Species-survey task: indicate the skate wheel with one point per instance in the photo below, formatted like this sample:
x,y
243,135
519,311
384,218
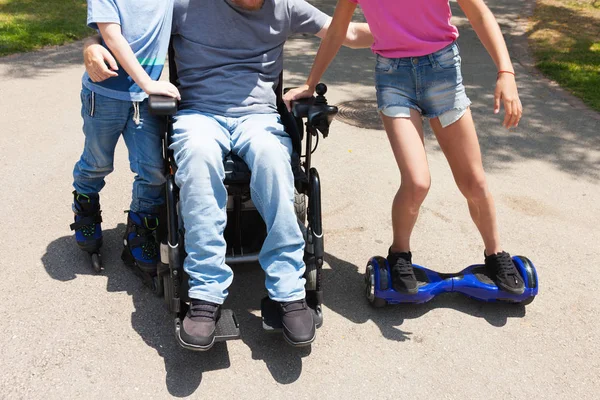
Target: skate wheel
x,y
378,303
527,301
157,285
97,262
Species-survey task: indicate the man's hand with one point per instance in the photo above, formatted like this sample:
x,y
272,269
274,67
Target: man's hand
x,y
301,92
162,88
99,63
506,91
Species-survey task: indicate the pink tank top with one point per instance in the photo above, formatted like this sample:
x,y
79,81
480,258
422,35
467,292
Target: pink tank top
x,y
408,28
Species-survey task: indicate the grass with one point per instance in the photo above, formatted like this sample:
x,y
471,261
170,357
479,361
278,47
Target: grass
x,y
27,25
565,38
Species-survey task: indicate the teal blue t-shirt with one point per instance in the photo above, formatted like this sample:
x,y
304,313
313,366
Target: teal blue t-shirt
x,y
146,25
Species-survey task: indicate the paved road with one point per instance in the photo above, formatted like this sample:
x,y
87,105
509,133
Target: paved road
x,y
69,333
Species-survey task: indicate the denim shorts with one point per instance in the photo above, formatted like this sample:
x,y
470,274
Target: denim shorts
x,y
431,84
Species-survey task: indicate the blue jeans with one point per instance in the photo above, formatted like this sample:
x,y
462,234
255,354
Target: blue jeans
x,y
104,120
200,143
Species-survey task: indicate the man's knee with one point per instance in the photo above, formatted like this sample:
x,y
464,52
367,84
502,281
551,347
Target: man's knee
x,y
196,141
268,153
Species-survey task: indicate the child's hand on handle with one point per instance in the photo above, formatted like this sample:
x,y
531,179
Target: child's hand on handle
x,y
301,92
99,63
506,91
162,88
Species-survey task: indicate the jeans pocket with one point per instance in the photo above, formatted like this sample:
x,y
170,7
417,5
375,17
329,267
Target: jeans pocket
x,y
449,59
383,64
87,102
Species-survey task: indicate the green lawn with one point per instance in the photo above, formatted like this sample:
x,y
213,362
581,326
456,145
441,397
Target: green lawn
x,y
565,38
27,25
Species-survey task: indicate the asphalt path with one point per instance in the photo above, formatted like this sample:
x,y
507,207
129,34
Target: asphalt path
x,y
66,332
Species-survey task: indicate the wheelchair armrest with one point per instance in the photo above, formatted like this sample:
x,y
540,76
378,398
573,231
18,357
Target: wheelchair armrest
x,y
162,105
318,113
300,107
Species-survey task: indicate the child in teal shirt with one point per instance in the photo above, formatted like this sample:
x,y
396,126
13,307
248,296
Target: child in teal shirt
x,y
137,34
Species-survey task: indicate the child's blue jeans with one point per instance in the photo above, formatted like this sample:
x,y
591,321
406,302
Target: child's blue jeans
x,y
104,121
200,143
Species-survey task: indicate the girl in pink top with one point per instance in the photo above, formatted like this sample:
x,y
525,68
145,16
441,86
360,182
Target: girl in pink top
x,y
417,75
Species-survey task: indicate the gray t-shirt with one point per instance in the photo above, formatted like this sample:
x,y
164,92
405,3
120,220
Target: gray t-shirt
x,y
229,59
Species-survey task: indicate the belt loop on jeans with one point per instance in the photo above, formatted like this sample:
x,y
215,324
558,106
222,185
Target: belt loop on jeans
x,y
431,58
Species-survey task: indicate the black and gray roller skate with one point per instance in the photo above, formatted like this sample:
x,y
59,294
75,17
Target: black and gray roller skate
x,y
87,226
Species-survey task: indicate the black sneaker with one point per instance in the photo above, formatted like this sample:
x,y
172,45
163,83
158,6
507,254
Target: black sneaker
x,y
199,324
403,275
298,324
503,272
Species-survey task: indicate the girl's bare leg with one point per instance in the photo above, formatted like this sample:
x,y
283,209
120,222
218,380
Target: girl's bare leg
x,y
406,138
461,147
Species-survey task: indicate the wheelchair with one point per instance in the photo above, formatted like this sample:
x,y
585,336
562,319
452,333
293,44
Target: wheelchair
x,y
245,230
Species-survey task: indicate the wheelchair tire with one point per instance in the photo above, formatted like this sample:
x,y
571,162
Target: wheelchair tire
x,y
168,290
311,275
300,206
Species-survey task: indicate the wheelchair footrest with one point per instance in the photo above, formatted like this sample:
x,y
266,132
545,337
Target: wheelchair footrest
x,y
228,327
271,319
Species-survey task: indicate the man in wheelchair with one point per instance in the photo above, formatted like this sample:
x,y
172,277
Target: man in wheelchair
x,y
229,58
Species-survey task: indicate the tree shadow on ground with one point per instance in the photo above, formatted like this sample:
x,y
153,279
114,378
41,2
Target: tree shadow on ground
x,y
41,63
552,130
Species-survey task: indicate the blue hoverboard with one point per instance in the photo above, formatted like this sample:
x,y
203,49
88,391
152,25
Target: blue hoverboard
x,y
473,281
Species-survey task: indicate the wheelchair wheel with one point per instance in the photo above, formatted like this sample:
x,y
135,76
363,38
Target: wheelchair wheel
x,y
168,290
300,205
311,274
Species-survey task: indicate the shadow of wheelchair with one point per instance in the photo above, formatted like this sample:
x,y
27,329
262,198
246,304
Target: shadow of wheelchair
x,y
63,261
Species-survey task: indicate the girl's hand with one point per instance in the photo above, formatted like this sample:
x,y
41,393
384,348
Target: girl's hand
x,y
506,91
162,88
301,92
99,63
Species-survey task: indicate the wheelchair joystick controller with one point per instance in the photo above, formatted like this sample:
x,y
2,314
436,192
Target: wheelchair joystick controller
x,y
321,89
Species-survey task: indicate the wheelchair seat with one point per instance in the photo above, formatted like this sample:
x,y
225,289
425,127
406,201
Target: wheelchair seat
x,y
236,170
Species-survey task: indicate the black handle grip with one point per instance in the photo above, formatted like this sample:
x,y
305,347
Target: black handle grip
x,y
162,105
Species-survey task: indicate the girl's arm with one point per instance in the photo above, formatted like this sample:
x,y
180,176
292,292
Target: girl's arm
x,y
358,35
111,33
485,25
336,34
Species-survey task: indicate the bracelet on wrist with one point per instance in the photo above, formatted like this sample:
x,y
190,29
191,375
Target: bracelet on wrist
x,y
505,72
